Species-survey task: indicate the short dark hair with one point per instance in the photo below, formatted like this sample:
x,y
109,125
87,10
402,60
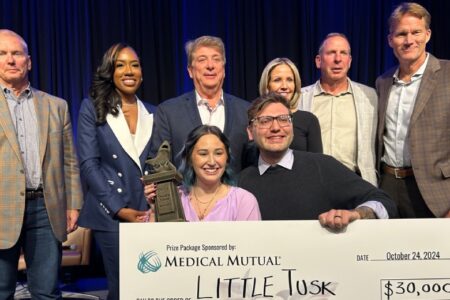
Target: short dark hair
x,y
261,102
186,168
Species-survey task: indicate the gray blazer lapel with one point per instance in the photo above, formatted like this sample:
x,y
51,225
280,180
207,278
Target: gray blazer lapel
x,y
359,105
426,87
383,98
7,124
41,105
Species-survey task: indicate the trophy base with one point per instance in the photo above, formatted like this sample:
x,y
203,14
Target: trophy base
x,y
168,207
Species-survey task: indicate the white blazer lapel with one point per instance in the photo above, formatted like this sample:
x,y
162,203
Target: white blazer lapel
x,y
120,129
144,128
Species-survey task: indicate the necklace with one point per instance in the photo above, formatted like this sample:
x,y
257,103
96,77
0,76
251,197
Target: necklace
x,y
202,214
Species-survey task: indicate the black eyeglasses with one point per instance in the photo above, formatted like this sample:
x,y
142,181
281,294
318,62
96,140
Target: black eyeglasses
x,y
265,122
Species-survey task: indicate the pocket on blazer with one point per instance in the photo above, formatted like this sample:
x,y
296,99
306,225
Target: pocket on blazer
x,y
445,169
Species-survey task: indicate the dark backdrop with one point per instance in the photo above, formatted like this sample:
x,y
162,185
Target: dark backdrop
x,y
67,38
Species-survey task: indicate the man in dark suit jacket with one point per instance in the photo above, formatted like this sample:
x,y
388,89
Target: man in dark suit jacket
x,y
208,104
413,146
40,191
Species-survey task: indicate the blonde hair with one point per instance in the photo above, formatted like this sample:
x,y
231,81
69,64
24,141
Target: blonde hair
x,y
409,8
265,78
204,41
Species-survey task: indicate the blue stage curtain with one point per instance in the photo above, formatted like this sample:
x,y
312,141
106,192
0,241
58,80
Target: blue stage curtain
x,y
67,38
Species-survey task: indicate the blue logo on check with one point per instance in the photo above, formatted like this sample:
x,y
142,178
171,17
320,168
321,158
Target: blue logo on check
x,y
149,262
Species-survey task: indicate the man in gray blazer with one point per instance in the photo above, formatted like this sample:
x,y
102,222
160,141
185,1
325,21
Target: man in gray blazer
x,y
40,190
207,104
413,137
347,110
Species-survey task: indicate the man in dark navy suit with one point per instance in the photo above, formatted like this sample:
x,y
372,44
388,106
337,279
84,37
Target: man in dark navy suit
x,y
207,104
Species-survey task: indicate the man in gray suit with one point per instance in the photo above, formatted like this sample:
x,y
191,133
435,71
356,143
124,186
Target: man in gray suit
x,y
40,190
347,110
207,104
413,137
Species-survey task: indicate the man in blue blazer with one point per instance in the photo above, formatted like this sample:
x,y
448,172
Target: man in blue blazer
x,y
207,104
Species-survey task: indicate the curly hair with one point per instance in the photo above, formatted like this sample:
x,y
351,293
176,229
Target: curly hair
x,y
103,91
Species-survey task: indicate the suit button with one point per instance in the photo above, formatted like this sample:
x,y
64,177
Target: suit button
x,y
22,171
111,182
119,190
119,174
22,193
114,156
146,173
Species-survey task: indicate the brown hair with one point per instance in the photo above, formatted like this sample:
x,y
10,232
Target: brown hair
x,y
409,8
261,102
204,41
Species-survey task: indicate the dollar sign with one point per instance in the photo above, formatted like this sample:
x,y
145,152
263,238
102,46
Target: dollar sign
x,y
389,292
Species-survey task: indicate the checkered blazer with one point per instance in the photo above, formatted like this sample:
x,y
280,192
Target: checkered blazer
x,y
60,171
428,132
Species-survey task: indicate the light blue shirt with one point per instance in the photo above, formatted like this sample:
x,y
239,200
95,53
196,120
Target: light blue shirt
x,y
398,116
23,115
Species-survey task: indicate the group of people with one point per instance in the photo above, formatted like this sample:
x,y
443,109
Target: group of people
x,y
291,154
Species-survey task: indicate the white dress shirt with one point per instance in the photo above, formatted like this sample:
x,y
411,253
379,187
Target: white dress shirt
x,y
398,115
211,115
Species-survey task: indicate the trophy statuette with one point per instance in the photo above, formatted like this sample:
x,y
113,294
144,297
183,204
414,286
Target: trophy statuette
x,y
168,207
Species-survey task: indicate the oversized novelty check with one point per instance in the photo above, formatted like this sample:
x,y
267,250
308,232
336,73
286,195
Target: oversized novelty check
x,y
372,259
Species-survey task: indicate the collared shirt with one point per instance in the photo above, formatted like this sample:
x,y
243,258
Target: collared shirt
x,y
211,115
23,115
398,115
287,161
338,124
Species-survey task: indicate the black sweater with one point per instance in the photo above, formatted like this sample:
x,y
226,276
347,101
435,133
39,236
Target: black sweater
x,y
316,184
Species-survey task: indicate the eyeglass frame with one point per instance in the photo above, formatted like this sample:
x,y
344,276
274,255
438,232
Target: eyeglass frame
x,y
273,118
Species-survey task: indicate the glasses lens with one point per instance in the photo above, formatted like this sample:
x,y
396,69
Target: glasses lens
x,y
265,122
284,120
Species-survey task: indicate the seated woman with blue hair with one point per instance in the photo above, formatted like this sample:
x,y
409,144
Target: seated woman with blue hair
x,y
209,192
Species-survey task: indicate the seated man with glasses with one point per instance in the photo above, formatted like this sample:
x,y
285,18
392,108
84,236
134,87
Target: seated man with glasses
x,y
298,185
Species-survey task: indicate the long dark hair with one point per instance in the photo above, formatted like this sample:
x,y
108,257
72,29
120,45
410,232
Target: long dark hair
x,y
186,168
103,91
